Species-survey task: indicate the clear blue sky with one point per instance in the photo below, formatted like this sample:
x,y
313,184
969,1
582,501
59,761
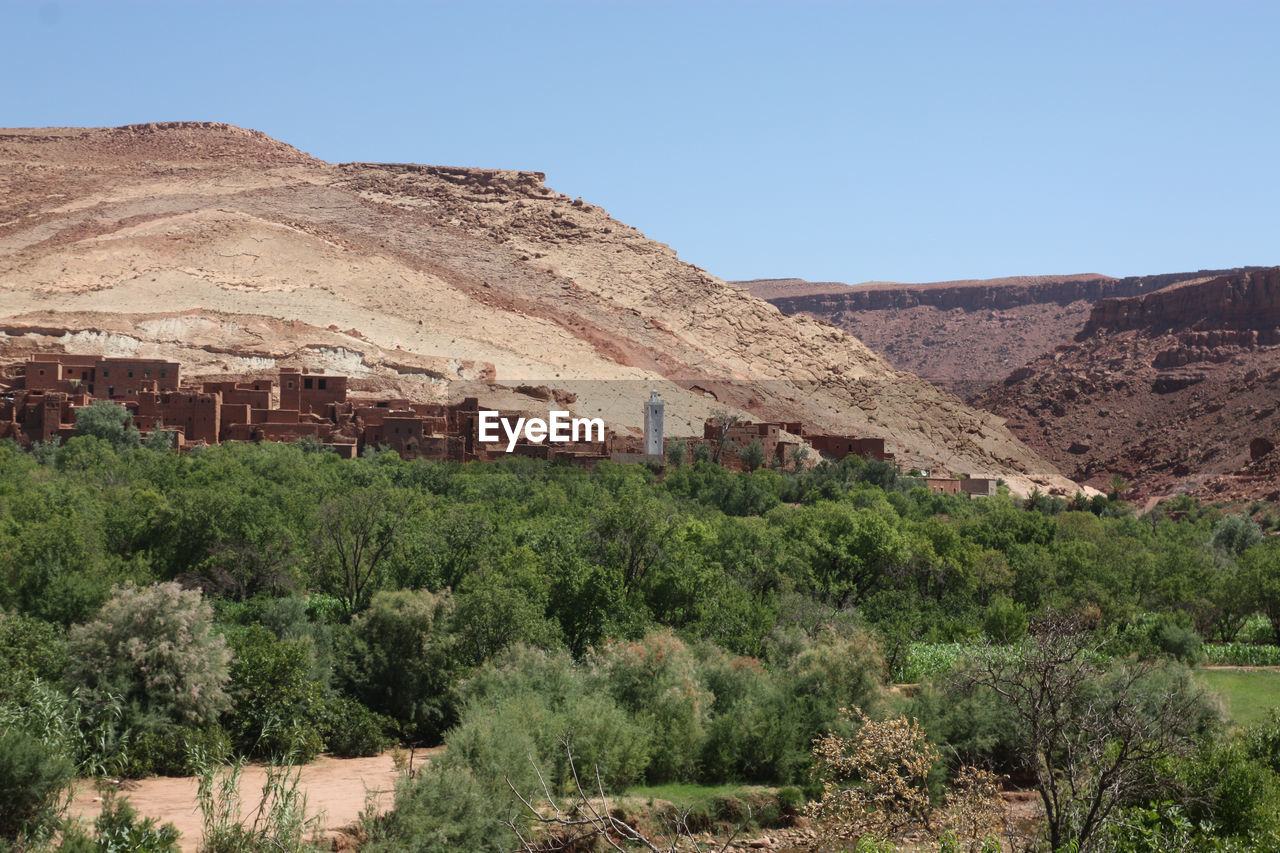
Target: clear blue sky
x,y
848,141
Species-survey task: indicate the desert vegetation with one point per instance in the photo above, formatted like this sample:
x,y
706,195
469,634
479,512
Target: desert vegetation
x,y
574,636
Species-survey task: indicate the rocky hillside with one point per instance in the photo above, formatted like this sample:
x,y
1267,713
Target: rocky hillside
x,y
960,335
234,252
1175,391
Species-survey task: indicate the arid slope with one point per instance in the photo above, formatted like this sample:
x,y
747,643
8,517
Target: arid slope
x,y
232,252
1175,391
960,335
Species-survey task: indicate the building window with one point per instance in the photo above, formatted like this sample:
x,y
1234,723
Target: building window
x,y
306,383
322,383
130,374
106,372
163,374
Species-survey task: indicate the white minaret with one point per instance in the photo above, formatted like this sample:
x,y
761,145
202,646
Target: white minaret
x,y
653,425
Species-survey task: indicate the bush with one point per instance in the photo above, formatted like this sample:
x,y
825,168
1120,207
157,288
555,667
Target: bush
x,y
830,672
34,779
167,751
443,810
753,734
519,710
1005,621
119,830
656,679
109,422
352,731
398,661
155,648
1161,634
1235,790
277,703
30,648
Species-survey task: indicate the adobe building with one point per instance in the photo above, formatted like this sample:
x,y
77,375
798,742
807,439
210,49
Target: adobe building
x,y
840,446
943,485
99,377
979,487
304,390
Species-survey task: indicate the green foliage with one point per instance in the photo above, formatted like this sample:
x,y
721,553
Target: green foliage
x,y
1005,620
118,829
752,455
34,781
156,649
531,709
351,730
1234,534
398,659
1241,654
167,750
656,679
1154,634
276,702
30,649
442,810
676,452
110,422
277,821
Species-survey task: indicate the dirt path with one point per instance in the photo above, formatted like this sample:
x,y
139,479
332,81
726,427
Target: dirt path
x,y
336,788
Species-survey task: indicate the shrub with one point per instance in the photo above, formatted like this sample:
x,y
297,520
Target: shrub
x,y
110,422
30,648
443,810
167,751
521,709
753,734
277,704
1156,634
34,778
656,680
398,661
155,648
119,830
351,730
1234,534
1005,621
830,672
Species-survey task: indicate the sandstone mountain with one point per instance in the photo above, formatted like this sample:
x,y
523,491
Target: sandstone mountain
x,y
1175,391
960,335
235,253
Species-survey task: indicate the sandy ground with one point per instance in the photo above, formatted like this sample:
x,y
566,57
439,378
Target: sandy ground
x,y
337,789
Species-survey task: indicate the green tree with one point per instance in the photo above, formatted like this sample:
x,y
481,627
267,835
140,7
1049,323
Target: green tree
x,y
753,455
399,660
157,650
676,451
110,422
33,782
355,534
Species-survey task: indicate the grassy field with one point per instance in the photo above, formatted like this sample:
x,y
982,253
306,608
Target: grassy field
x,y
691,795
1248,694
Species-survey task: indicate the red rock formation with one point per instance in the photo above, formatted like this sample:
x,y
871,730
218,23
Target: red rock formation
x,y
1176,391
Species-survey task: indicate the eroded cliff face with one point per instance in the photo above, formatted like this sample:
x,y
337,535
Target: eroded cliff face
x,y
1176,391
232,252
962,335
1235,303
